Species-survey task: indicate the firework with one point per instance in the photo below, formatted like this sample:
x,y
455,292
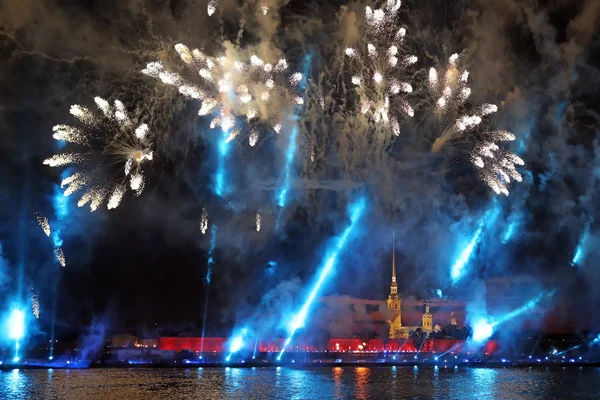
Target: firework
x,y
382,68
253,138
496,166
44,224
258,218
110,136
459,121
35,304
204,221
60,256
230,86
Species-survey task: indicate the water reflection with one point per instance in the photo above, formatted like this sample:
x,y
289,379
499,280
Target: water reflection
x,y
303,383
300,382
361,382
484,383
337,382
17,384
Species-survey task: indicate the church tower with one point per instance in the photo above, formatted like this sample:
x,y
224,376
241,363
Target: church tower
x,y
452,318
427,319
394,303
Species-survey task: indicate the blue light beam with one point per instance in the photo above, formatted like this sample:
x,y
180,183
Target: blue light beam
x,y
580,250
236,343
222,152
356,211
211,261
458,269
484,328
16,329
291,149
510,231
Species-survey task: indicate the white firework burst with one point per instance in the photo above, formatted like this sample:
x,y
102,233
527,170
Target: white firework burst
x,y
458,120
382,68
110,135
230,86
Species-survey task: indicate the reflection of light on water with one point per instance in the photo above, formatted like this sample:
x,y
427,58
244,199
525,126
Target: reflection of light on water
x,y
483,384
362,382
337,382
299,381
17,383
233,382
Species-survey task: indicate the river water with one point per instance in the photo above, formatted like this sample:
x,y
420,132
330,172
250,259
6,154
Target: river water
x,y
303,383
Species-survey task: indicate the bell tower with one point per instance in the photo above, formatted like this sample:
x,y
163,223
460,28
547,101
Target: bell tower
x,y
427,319
394,303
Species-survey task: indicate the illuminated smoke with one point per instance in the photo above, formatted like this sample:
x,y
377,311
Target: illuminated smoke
x,y
356,211
112,135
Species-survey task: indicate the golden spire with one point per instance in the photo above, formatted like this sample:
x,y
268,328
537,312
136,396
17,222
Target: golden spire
x,y
394,257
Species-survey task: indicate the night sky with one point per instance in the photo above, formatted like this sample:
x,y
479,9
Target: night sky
x,y
145,263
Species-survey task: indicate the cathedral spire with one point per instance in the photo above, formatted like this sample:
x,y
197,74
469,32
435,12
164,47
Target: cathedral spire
x,y
394,285
394,257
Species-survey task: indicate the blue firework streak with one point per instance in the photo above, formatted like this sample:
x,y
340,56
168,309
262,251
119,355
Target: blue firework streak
x,y
483,327
356,211
581,249
223,150
291,149
458,269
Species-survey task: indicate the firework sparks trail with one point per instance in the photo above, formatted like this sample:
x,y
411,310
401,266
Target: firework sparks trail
x,y
111,133
258,219
35,304
382,68
356,211
60,256
44,224
450,92
204,221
